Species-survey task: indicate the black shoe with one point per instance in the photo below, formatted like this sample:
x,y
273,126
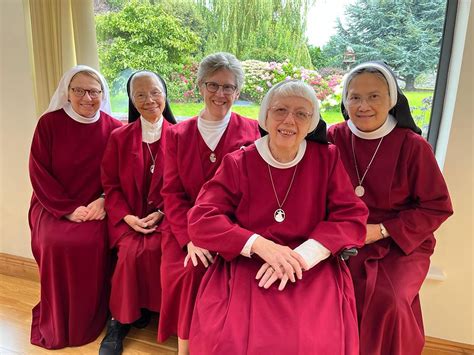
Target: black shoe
x,y
112,344
144,320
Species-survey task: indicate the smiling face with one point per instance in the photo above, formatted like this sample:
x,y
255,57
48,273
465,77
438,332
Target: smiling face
x,y
85,105
287,133
217,104
368,101
148,97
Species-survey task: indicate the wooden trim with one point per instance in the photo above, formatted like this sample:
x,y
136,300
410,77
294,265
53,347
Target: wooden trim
x,y
18,266
445,347
26,268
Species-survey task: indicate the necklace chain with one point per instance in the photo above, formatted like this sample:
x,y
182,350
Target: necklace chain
x,y
280,205
370,163
151,154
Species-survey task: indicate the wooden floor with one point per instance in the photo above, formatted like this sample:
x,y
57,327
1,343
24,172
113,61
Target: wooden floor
x,y
17,298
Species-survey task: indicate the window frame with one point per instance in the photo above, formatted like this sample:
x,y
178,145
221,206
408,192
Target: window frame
x,y
439,93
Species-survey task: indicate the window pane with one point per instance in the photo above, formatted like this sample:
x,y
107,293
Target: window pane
x,y
284,39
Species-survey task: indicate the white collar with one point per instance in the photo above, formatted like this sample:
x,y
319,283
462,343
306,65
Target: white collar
x,y
77,117
212,131
151,132
262,148
208,124
388,126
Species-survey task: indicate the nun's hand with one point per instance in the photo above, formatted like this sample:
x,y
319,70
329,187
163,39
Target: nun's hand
x,y
267,276
373,233
138,224
195,253
79,214
282,259
96,210
153,218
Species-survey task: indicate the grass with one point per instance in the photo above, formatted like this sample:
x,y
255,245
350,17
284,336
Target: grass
x,y
120,105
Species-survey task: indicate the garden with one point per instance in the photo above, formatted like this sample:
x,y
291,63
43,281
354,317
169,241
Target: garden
x,y
171,37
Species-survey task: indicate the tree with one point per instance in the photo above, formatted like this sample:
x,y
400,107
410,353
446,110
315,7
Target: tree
x,y
142,36
269,30
319,59
406,34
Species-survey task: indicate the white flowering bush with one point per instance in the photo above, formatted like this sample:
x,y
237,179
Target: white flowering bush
x,y
261,76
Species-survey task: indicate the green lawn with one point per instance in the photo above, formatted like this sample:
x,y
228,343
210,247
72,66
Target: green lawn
x,y
120,105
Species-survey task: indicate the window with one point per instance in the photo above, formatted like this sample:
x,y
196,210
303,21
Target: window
x,y
316,43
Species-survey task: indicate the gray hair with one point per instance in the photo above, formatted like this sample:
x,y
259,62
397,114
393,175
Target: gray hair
x,y
376,69
289,88
218,61
145,73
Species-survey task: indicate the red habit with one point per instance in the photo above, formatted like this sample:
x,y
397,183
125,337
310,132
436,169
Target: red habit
x,y
315,315
72,257
187,168
404,190
131,189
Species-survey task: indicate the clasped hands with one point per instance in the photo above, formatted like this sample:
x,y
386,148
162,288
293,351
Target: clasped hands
x,y
144,225
93,211
281,263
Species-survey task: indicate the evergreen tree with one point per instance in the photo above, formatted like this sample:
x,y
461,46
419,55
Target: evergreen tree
x,y
404,33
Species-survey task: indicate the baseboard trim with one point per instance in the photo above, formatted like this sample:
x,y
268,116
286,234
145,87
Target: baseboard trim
x,y
442,346
18,266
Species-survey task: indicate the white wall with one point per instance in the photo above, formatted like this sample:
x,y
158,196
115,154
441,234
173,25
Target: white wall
x,y
448,305
17,122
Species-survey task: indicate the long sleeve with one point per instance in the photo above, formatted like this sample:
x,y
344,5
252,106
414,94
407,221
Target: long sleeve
x,y
211,220
176,201
430,202
116,204
50,192
346,215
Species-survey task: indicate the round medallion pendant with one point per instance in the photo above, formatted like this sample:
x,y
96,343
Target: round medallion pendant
x,y
152,168
279,215
212,157
359,191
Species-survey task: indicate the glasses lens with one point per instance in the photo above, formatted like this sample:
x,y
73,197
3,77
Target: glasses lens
x,y
228,89
94,93
212,87
78,92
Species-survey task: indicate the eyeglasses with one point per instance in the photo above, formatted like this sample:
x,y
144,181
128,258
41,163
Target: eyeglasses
x,y
80,92
227,89
280,113
374,99
141,97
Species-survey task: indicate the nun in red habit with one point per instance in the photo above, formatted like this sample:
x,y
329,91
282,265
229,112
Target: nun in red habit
x,y
394,172
68,230
277,211
132,176
194,150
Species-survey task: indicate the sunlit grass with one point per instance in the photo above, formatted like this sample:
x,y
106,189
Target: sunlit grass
x,y
120,105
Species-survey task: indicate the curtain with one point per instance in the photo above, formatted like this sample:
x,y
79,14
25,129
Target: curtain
x,y
62,34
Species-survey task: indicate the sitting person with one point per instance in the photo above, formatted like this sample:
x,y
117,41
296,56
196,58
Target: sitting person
x,y
195,149
132,176
394,172
277,211
68,229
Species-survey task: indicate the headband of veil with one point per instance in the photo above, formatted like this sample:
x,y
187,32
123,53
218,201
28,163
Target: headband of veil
x,y
133,113
400,108
61,95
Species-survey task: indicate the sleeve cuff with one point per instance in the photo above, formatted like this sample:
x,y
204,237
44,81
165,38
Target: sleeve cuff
x,y
312,252
246,250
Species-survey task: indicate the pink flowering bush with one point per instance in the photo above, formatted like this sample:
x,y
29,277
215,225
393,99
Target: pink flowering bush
x,y
260,76
182,84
